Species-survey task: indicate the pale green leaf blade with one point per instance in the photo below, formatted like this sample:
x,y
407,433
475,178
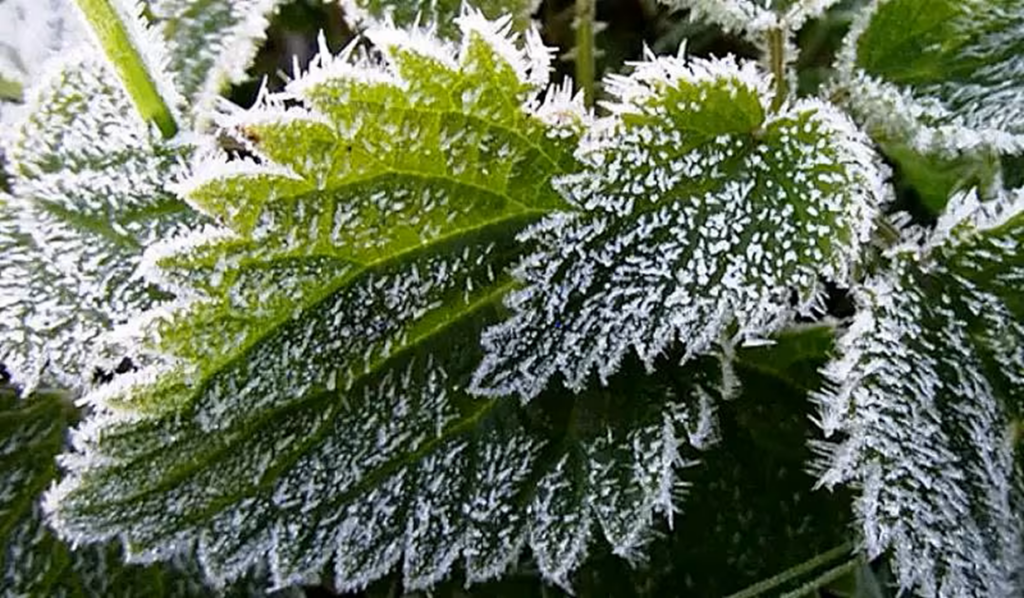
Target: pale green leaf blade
x,y
88,193
928,390
699,217
210,44
944,76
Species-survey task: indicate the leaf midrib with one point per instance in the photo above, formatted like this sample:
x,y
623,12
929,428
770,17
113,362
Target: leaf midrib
x,y
271,414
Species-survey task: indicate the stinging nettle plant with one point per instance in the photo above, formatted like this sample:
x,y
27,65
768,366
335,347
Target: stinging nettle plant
x,y
426,314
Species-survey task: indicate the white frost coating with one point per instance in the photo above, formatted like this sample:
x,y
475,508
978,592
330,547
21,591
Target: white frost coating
x,y
211,48
753,17
949,118
647,262
32,32
76,231
532,63
918,411
423,41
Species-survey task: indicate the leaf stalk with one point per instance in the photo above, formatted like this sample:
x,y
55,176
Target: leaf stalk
x,y
108,25
584,52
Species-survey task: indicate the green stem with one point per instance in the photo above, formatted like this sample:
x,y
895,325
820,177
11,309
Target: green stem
x,y
108,24
585,13
824,579
765,586
777,50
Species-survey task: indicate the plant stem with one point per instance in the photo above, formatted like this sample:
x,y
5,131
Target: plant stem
x,y
777,49
824,579
584,51
107,22
765,586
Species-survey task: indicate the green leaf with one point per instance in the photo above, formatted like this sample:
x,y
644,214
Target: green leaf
x,y
441,15
88,194
699,217
928,387
210,44
943,76
312,403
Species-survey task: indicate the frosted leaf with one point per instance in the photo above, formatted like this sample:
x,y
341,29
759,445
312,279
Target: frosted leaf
x,y
928,388
33,561
312,405
441,14
210,44
944,76
699,215
87,195
750,508
754,16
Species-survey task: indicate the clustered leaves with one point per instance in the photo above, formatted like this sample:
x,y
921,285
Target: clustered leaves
x,y
421,313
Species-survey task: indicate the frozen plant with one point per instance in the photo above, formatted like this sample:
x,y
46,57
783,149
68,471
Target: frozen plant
x,y
423,313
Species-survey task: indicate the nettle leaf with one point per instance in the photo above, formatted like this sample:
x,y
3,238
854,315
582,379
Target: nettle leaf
x,y
87,195
439,14
699,216
944,76
210,43
929,388
754,16
313,406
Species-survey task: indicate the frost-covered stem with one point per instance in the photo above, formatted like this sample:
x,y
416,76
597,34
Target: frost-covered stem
x,y
810,588
777,47
584,51
127,60
766,586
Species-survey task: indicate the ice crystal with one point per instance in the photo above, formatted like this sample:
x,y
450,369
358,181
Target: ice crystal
x,y
312,403
87,196
754,16
927,393
32,32
441,15
699,215
944,76
210,44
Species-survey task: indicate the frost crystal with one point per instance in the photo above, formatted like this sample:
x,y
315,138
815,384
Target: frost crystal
x,y
699,215
440,15
944,76
312,403
927,395
88,195
210,44
754,16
